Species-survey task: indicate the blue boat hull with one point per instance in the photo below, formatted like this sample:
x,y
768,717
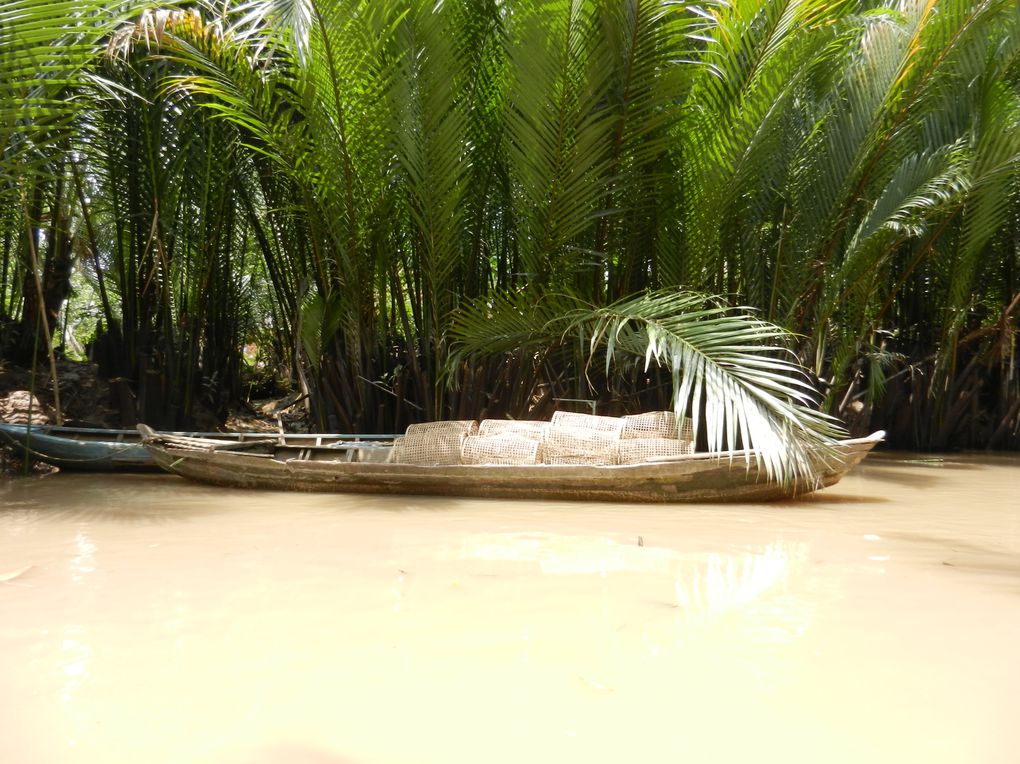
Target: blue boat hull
x,y
112,451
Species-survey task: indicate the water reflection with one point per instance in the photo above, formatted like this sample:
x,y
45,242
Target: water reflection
x,y
724,582
73,661
710,583
84,561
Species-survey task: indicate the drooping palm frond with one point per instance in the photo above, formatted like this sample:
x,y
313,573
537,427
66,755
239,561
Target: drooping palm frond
x,y
732,373
510,323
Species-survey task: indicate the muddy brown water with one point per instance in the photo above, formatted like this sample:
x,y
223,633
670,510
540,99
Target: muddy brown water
x,y
146,619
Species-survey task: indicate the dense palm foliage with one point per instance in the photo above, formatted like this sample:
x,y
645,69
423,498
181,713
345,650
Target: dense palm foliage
x,y
405,204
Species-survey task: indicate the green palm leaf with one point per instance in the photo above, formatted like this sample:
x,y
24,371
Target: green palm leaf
x,y
731,371
46,49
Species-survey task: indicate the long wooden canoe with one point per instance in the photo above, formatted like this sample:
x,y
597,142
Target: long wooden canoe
x,y
362,468
101,450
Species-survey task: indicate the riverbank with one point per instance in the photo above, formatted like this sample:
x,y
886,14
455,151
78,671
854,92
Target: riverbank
x,y
27,395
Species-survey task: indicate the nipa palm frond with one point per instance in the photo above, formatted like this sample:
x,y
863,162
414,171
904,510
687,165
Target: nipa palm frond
x,y
729,370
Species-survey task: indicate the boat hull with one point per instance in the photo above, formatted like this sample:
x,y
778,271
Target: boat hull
x,y
109,451
697,478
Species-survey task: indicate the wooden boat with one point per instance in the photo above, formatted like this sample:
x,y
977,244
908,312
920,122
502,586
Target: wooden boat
x,y
101,450
364,468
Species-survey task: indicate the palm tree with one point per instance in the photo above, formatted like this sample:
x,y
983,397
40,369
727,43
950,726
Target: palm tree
x,y
376,173
45,50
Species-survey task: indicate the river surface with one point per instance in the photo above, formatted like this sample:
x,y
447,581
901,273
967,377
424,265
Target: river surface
x,y
147,619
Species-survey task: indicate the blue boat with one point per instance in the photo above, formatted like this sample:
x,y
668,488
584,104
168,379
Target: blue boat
x,y
88,449
74,448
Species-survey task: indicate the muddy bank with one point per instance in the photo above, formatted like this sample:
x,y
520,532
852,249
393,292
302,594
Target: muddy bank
x,y
26,397
84,397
